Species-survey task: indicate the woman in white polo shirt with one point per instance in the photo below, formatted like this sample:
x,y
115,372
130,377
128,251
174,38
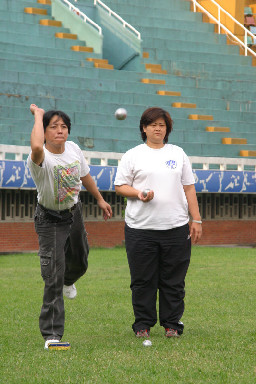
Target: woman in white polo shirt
x,y
157,234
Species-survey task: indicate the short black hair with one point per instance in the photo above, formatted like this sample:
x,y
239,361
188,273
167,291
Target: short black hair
x,y
49,115
151,115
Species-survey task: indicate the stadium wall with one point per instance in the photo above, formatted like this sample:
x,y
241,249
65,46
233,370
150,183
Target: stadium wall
x,y
21,237
227,202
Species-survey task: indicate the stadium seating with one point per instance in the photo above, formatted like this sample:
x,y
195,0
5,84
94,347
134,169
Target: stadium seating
x,y
186,68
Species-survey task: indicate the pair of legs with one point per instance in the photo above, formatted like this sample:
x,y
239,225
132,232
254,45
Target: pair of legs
x,y
63,251
158,260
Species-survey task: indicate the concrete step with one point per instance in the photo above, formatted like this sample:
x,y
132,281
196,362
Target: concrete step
x,y
153,81
222,97
80,48
140,5
113,145
33,29
114,80
161,31
225,86
87,69
154,16
35,11
189,46
21,137
203,100
196,57
236,141
181,136
22,17
127,11
108,109
184,105
41,41
18,6
245,153
184,35
58,53
210,70
148,3
24,120
23,58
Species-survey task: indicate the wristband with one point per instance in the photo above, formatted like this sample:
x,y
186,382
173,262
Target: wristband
x,y
197,221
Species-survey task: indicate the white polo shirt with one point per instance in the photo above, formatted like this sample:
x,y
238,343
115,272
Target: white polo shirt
x,y
163,170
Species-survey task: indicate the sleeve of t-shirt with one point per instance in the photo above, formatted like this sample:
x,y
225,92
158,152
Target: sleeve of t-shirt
x,y
84,166
187,177
124,174
34,169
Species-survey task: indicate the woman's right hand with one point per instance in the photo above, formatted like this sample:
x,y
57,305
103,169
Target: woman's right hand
x,y
147,198
33,108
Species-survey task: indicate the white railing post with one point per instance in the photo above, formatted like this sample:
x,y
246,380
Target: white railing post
x,y
246,42
194,3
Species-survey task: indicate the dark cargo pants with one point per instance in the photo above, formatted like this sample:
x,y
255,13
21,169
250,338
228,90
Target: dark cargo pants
x,y
158,260
63,251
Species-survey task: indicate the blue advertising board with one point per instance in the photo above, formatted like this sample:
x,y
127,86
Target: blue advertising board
x,y
16,175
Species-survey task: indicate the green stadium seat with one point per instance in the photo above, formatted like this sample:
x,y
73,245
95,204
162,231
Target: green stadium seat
x,y
248,11
195,68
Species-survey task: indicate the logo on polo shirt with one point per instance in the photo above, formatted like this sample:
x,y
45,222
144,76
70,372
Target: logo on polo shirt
x,y
172,164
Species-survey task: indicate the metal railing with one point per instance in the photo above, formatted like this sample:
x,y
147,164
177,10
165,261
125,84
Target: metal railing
x,y
20,152
221,26
82,15
111,13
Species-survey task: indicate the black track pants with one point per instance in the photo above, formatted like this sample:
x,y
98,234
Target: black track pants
x,y
158,260
63,251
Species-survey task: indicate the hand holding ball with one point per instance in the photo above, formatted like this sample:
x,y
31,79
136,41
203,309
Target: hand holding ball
x,y
121,114
145,192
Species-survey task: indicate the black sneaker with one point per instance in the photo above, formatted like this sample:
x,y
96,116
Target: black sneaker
x,y
142,333
169,332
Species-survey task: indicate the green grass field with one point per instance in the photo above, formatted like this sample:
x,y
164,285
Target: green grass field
x,y
218,345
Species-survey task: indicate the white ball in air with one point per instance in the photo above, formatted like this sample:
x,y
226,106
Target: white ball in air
x,y
121,114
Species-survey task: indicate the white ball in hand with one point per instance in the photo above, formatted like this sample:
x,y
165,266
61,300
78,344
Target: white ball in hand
x,y
145,192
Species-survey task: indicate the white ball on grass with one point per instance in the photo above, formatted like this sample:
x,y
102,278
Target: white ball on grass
x,y
147,343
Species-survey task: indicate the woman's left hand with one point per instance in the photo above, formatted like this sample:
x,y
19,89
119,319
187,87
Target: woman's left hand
x,y
195,232
106,209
